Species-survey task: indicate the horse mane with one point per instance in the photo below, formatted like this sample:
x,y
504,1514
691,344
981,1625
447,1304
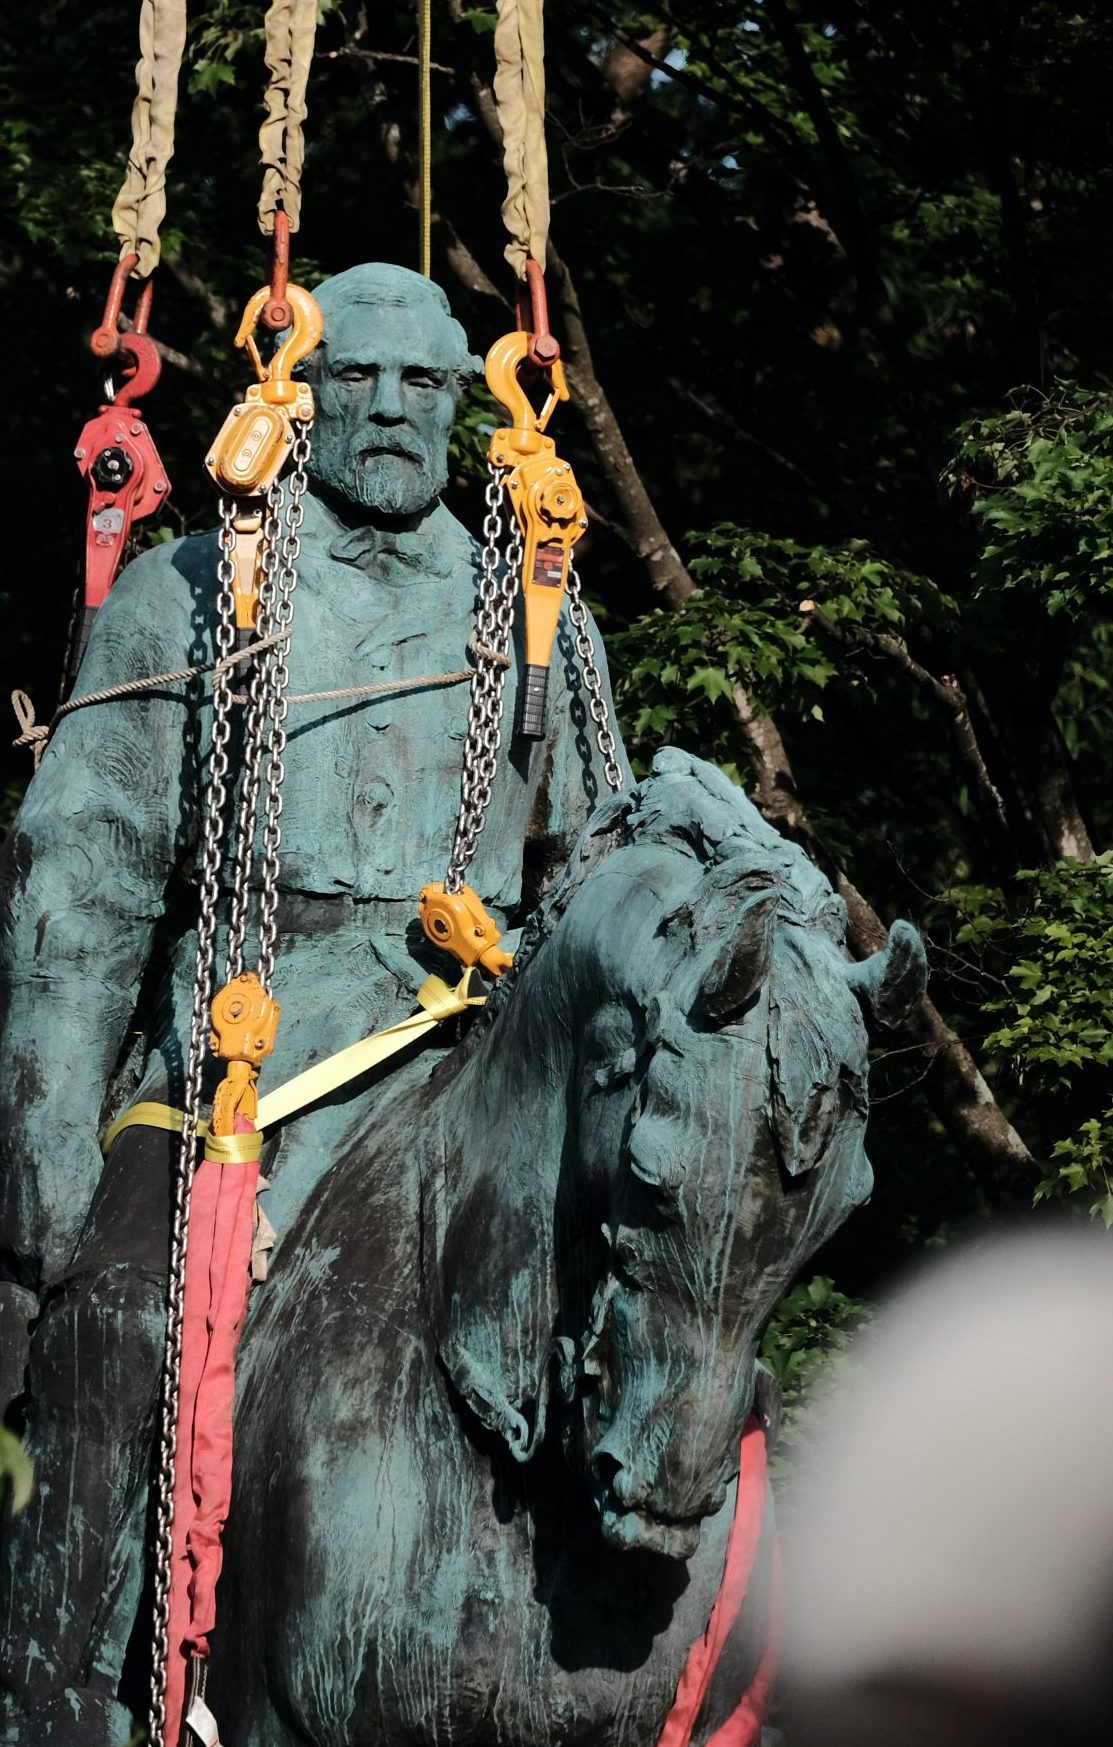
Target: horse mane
x,y
689,806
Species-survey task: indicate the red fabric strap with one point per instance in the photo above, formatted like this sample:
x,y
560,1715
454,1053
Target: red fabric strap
x,y
743,1726
217,1282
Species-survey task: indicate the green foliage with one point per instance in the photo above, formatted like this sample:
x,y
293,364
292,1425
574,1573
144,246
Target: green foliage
x,y
744,626
1048,946
1039,481
812,1326
16,1474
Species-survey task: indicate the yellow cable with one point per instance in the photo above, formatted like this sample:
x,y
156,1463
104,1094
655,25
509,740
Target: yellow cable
x,y
424,134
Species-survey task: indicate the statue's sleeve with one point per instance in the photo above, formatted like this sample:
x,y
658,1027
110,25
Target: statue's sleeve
x,y
576,776
105,822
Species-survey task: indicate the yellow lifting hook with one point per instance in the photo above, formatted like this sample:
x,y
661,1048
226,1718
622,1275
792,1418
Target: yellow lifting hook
x,y
257,437
549,508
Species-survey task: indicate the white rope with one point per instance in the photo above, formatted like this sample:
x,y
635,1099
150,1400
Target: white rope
x,y
37,734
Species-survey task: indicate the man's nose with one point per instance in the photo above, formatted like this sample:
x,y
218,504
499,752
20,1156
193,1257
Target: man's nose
x,y
385,406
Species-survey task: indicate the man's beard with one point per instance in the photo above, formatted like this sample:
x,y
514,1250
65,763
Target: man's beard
x,y
395,481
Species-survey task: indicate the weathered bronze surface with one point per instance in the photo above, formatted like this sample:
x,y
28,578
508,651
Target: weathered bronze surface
x,y
593,1201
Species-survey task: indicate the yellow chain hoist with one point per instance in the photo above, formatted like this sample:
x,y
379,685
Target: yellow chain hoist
x,y
257,438
548,517
245,1026
549,509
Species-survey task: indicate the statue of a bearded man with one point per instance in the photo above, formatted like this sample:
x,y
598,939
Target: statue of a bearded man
x,y
98,945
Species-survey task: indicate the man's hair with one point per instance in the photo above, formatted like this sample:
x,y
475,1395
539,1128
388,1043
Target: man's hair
x,y
383,285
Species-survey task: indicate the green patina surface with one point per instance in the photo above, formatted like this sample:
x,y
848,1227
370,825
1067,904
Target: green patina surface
x,y
419,1320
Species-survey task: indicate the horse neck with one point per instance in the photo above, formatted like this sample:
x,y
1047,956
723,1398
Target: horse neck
x,y
506,1110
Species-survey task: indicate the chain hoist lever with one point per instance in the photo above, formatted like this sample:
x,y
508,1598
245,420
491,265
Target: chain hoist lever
x,y
257,438
116,455
549,508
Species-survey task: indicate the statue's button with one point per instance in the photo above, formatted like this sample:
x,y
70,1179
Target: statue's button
x,y
377,794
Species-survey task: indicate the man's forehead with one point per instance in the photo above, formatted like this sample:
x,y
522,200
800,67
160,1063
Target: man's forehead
x,y
389,332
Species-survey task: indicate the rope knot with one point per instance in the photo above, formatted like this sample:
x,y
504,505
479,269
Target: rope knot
x,y
485,651
31,733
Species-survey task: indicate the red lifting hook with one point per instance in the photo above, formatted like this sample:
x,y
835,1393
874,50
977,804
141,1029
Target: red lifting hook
x,y
277,313
533,317
106,338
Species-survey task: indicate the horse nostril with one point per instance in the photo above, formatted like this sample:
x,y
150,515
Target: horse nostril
x,y
607,1468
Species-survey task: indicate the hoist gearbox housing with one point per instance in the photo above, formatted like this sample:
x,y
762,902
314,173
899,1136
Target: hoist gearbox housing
x,y
458,922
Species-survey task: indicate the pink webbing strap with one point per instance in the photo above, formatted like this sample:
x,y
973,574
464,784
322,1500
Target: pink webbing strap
x,y
743,1726
217,1281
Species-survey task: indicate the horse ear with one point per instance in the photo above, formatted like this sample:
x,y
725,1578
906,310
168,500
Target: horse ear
x,y
741,965
893,981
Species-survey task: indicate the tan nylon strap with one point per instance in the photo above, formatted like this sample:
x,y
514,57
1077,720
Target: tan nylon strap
x,y
520,95
141,203
290,28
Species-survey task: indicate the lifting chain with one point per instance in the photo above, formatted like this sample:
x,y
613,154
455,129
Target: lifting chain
x,y
593,680
212,840
484,735
254,712
277,706
264,742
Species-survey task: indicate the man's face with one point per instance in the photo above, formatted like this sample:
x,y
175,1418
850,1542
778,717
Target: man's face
x,y
386,398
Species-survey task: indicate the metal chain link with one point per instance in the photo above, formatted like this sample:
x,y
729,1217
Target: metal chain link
x,y
254,719
266,716
277,707
494,617
212,838
593,680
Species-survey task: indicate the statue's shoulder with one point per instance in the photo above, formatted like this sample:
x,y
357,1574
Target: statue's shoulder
x,y
165,597
453,545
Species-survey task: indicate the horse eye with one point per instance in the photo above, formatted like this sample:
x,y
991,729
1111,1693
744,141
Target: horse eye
x,y
615,1072
624,1267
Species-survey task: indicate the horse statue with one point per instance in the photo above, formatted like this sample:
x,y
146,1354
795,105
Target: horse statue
x,y
491,1402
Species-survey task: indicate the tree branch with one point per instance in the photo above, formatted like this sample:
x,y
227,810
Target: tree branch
x,y
956,1088
947,692
954,1084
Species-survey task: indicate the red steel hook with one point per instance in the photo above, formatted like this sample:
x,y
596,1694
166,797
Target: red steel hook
x,y
106,339
533,317
277,313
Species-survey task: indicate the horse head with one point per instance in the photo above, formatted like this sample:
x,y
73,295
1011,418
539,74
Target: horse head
x,y
686,996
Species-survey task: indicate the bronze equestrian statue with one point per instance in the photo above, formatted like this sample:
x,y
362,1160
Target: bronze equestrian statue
x,y
492,1392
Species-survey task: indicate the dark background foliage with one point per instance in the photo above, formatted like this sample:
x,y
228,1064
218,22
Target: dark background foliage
x,y
833,282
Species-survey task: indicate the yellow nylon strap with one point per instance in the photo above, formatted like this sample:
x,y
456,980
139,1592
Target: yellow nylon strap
x,y
141,203
290,27
234,1149
226,1149
438,1001
148,1115
520,95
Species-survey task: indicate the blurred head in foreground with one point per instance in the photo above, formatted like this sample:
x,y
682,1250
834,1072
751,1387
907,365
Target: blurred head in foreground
x,y
950,1539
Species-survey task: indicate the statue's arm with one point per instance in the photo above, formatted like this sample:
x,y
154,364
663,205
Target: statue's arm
x,y
85,869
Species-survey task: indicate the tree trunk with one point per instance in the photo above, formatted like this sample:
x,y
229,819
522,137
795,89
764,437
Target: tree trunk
x,y
956,1089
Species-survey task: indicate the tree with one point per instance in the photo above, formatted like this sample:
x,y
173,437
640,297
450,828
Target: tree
x,y
831,285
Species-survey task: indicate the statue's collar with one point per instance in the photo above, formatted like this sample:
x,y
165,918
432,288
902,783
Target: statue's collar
x,y
434,549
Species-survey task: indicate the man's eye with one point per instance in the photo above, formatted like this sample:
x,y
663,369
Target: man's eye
x,y
424,378
353,374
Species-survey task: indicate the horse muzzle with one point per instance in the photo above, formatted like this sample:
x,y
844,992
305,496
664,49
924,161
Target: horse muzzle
x,y
630,1529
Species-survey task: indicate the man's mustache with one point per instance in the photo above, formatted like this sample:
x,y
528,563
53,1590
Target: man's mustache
x,y
391,446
